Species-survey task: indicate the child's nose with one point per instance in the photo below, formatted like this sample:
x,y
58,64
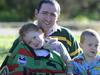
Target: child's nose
x,y
38,39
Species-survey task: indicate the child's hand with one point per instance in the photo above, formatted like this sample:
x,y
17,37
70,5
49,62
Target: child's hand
x,y
49,42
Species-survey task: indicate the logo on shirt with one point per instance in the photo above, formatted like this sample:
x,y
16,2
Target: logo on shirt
x,y
21,59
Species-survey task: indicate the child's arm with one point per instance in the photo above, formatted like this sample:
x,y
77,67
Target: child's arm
x,y
73,69
69,70
53,44
64,53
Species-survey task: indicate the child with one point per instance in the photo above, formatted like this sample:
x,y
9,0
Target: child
x,y
87,63
30,58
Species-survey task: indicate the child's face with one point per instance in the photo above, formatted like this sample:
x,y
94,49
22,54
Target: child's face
x,y
90,46
34,39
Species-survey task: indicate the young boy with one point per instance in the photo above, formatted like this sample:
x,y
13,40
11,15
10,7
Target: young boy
x,y
87,63
30,58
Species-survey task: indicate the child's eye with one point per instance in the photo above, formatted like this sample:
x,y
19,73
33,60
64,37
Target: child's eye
x,y
96,45
90,44
29,42
52,14
44,13
34,37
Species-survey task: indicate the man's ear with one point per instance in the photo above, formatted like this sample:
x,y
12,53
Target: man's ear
x,y
36,12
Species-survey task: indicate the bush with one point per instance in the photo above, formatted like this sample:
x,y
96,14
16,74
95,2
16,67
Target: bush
x,y
10,16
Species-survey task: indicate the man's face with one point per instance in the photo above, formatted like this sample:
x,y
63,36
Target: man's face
x,y
90,46
47,16
34,39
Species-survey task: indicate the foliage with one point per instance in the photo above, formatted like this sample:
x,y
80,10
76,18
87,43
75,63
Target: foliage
x,y
17,10
23,10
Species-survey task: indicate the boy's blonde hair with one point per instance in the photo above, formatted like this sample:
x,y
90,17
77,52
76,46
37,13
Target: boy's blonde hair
x,y
88,32
29,27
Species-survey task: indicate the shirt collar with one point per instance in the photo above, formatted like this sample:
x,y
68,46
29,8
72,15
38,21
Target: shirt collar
x,y
53,29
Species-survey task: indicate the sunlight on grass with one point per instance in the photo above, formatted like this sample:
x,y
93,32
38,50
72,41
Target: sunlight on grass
x,y
5,44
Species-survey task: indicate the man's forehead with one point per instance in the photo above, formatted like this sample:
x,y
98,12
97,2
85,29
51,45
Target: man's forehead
x,y
48,7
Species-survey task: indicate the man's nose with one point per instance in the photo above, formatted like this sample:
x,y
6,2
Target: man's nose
x,y
48,17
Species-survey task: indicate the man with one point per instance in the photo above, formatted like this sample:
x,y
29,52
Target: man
x,y
47,14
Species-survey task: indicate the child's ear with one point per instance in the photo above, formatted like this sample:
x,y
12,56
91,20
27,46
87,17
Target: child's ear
x,y
21,40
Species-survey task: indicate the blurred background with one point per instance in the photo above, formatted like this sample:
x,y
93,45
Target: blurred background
x,y
76,15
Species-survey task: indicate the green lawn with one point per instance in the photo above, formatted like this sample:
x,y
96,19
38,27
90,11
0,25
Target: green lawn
x,y
5,44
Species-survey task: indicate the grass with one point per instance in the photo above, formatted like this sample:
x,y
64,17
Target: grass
x,y
5,44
